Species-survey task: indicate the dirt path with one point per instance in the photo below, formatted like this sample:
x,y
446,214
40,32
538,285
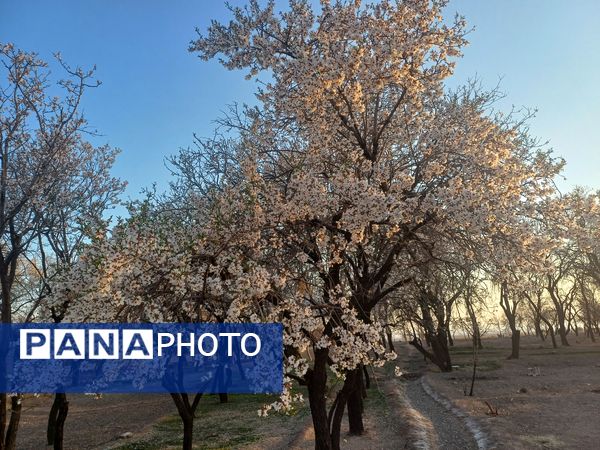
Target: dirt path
x,y
445,430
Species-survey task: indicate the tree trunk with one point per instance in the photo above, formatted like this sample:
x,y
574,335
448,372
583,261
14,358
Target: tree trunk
x,y
390,341
335,418
439,345
446,321
515,341
474,323
3,416
440,356
510,312
450,339
60,425
355,403
550,331
13,424
367,377
186,412
560,315
188,432
537,324
562,332
317,390
56,421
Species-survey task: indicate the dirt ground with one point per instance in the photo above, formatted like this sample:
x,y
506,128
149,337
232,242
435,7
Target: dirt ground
x,y
548,399
98,423
92,422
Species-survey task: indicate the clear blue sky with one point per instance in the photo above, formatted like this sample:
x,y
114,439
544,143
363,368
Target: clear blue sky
x,y
155,94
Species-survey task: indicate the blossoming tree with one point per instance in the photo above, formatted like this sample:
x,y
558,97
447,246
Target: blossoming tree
x,y
362,155
50,176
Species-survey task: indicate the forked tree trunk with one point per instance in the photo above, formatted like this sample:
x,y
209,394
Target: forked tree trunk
x,y
186,412
510,311
439,355
560,312
550,331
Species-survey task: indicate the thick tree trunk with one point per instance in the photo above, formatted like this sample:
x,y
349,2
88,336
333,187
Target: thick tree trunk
x,y
439,345
13,424
562,332
440,355
355,403
60,425
510,311
56,421
317,390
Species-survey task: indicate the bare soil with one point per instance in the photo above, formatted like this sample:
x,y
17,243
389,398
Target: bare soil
x,y
548,399
92,422
558,408
153,423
